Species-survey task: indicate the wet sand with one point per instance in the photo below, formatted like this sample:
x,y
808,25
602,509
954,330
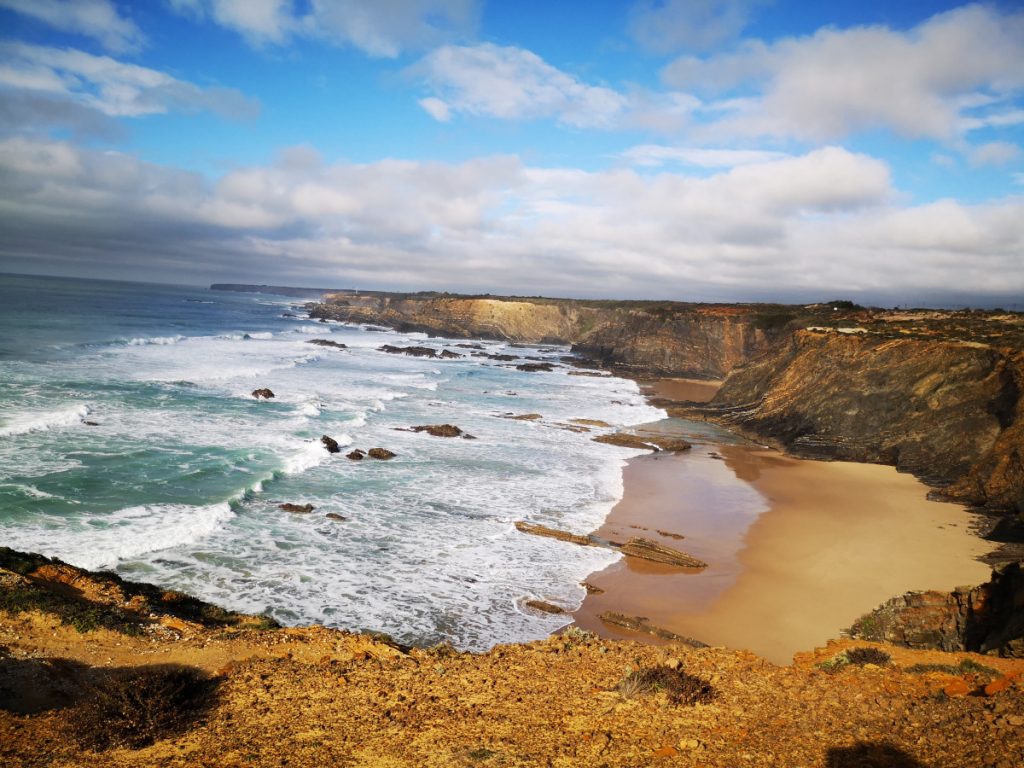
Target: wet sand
x,y
797,549
681,390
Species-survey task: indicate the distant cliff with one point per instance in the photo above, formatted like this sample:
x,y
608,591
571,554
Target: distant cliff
x,y
663,338
276,290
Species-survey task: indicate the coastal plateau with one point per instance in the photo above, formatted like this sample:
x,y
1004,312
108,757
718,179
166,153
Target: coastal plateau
x,y
98,671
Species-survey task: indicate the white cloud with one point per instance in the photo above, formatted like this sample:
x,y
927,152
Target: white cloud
x,y
819,222
109,86
652,155
436,108
665,26
919,83
381,28
513,84
98,19
993,153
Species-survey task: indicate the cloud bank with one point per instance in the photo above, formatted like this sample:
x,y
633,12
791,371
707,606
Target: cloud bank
x,y
825,221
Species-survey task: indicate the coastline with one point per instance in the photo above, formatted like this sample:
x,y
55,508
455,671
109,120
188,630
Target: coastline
x,y
797,549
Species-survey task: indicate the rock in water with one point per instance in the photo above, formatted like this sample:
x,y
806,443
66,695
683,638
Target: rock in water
x,y
535,367
447,354
658,553
554,533
335,516
543,607
262,394
330,444
442,430
413,351
327,343
356,455
381,453
640,624
297,508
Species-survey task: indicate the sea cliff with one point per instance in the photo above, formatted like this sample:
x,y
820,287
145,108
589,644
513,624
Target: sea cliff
x,y
935,393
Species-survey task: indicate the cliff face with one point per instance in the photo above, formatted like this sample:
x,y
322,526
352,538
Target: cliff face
x,y
951,412
683,340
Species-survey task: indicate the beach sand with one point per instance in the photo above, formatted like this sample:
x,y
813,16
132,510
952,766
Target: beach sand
x,y
797,550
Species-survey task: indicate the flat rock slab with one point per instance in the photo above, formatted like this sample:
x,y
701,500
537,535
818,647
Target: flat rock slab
x,y
554,533
659,553
543,607
640,624
442,430
657,443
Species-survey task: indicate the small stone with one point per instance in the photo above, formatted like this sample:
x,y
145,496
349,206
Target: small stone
x,y
262,394
335,516
356,455
296,508
666,752
956,688
1015,720
998,686
330,444
383,454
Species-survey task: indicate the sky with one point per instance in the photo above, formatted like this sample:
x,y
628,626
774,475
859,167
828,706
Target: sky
x,y
709,150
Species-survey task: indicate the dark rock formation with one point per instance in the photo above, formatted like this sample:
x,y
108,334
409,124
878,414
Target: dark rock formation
x,y
330,444
640,624
91,423
447,354
554,533
262,394
383,454
297,508
523,416
535,367
335,516
543,607
356,455
442,430
644,442
411,351
327,343
985,619
659,553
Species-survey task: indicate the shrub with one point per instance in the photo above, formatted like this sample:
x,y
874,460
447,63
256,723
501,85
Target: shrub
x,y
680,687
862,656
133,708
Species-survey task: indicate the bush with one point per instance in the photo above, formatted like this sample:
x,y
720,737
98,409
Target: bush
x,y
862,656
135,707
679,686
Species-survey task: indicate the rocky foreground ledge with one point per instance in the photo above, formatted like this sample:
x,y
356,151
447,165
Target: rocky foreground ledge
x,y
97,671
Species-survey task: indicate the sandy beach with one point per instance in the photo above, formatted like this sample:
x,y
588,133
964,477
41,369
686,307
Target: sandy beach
x,y
797,550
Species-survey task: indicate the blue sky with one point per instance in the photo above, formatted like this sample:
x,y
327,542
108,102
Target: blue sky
x,y
708,149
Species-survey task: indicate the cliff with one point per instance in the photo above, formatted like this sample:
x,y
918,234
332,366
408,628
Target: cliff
x,y
942,400
87,679
649,338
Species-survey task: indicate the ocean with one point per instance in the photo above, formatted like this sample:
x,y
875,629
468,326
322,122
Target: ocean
x,y
130,441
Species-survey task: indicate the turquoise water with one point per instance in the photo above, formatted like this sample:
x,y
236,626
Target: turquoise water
x,y
178,480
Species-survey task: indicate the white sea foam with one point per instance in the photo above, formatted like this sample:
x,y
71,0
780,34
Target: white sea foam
x,y
41,421
158,340
104,540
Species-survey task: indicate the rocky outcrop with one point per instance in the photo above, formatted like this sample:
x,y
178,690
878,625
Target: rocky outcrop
x,y
643,442
330,444
327,343
646,549
296,508
985,619
442,430
356,455
262,394
949,411
381,454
